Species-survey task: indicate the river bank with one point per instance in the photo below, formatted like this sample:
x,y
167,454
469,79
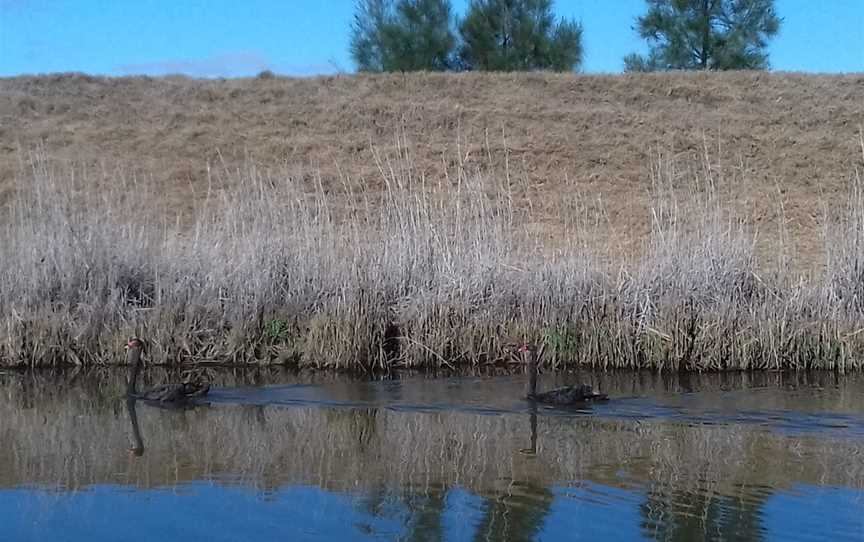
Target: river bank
x,y
430,273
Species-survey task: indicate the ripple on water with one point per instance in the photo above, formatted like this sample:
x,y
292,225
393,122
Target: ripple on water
x,y
445,459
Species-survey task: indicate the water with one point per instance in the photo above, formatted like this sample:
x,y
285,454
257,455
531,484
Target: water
x,y
281,456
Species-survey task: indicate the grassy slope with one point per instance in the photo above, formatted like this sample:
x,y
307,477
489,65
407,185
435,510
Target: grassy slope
x,y
785,138
446,258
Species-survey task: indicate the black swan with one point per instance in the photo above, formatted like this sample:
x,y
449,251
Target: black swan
x,y
571,395
168,394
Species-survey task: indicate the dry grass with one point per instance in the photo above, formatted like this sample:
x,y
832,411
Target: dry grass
x,y
786,138
431,273
638,221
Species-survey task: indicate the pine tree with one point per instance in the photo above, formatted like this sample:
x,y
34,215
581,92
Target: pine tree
x,y
510,35
705,35
405,35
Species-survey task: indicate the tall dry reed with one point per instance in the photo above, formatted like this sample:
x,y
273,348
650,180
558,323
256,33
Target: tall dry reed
x,y
429,272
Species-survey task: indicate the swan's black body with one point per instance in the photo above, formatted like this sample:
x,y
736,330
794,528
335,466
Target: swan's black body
x,y
570,395
166,395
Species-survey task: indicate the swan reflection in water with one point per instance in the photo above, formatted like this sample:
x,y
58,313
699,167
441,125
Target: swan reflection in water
x,y
183,395
137,448
532,420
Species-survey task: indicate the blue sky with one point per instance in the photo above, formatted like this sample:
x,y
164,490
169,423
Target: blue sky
x,y
305,37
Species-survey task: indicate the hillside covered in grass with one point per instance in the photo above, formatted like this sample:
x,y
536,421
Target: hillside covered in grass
x,y
789,142
669,221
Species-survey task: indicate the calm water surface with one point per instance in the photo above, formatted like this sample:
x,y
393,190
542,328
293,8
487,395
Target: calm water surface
x,y
280,456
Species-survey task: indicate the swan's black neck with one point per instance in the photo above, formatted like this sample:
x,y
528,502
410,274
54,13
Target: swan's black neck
x,y
134,360
531,386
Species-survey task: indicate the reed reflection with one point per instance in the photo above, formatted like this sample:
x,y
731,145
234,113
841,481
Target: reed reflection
x,y
688,472
688,515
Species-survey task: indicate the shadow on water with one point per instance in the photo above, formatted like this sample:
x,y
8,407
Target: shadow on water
x,y
731,457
